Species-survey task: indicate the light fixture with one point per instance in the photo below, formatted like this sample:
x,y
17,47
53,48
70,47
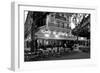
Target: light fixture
x,y
46,31
43,31
66,34
54,32
81,38
46,35
56,36
63,34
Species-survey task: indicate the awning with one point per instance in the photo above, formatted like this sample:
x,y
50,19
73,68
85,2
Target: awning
x,y
42,35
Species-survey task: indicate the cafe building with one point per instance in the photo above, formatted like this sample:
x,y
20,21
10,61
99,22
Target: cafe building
x,y
53,36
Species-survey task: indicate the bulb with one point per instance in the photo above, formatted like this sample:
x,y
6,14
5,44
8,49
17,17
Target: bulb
x,y
56,36
46,35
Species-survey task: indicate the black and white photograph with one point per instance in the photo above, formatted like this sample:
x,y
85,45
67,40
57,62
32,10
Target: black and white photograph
x,y
56,36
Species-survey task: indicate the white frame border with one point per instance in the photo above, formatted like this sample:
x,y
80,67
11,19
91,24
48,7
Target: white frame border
x,y
16,58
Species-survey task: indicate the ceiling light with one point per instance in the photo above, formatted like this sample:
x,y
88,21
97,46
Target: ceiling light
x,y
46,35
